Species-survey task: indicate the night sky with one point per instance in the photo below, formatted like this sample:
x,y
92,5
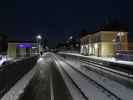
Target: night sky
x,y
56,20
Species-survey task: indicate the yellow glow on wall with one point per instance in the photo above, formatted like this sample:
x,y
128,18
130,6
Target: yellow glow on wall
x,y
12,49
96,46
120,33
106,46
107,49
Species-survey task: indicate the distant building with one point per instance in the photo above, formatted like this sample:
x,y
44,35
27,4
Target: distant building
x,y
69,45
3,44
106,41
21,48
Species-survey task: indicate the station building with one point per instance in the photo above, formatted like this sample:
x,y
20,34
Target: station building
x,y
105,42
21,48
18,48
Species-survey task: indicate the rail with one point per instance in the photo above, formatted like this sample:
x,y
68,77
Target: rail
x,y
107,92
121,69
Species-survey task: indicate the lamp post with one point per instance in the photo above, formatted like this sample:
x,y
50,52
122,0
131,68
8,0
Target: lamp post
x,y
38,39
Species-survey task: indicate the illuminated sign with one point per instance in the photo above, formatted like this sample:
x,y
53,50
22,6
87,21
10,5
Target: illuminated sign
x,y
24,45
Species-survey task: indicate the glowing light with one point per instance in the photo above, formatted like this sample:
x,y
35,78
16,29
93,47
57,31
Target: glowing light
x,y
70,37
24,45
34,47
120,34
96,46
113,40
39,37
40,60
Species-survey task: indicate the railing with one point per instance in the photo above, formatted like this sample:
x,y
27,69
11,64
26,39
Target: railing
x,y
11,73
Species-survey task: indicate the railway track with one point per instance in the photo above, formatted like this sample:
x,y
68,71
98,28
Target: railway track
x,y
114,69
74,90
109,64
89,88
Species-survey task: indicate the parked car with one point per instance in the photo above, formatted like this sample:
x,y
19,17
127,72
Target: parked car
x,y
4,60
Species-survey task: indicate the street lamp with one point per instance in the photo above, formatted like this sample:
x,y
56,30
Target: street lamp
x,y
70,38
38,38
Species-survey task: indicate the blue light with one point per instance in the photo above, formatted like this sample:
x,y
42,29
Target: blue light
x,y
24,45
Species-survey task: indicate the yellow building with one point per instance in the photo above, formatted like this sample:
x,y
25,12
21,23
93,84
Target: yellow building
x,y
105,42
21,48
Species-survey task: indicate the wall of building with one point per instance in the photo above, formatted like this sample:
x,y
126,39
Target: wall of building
x,y
108,39
22,52
103,43
107,36
107,43
12,49
107,49
124,43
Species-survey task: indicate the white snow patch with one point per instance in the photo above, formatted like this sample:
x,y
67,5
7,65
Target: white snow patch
x,y
15,92
91,91
102,58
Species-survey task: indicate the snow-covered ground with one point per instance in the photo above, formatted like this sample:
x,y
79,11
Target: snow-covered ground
x,y
76,95
89,90
124,75
15,92
5,58
118,89
102,58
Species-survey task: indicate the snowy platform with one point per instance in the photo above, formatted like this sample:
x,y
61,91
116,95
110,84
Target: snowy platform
x,y
120,90
129,63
